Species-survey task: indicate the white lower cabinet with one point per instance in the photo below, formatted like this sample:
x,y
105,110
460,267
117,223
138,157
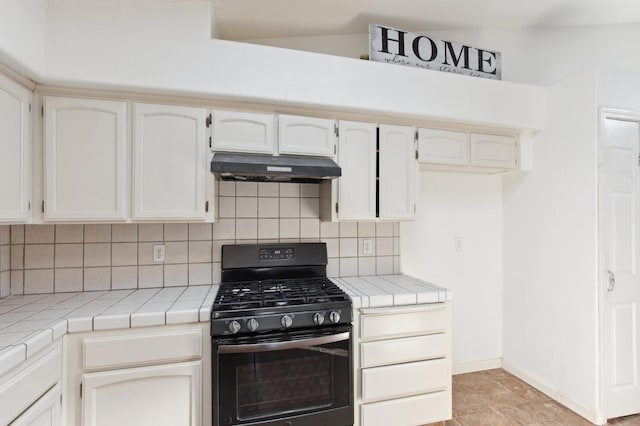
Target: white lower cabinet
x,y
30,395
403,372
416,410
141,377
159,395
44,412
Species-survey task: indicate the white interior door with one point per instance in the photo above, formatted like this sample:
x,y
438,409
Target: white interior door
x,y
619,221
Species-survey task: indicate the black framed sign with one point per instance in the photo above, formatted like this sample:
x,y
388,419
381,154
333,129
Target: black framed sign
x,y
395,46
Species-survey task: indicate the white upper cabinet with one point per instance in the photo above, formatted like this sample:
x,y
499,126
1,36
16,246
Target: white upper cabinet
x,y
243,132
443,147
169,162
306,136
357,159
464,151
15,151
493,151
86,160
398,172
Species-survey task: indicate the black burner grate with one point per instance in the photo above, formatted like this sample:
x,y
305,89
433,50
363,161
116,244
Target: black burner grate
x,y
276,293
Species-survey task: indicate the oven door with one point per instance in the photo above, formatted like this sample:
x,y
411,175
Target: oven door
x,y
293,379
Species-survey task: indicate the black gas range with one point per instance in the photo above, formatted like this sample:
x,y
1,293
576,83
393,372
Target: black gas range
x,y
281,339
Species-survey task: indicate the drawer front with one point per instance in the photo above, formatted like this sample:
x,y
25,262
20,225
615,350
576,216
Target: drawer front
x,y
141,349
29,384
415,410
409,349
415,321
400,380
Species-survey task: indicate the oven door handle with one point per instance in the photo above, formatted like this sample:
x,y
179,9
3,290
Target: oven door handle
x,y
278,346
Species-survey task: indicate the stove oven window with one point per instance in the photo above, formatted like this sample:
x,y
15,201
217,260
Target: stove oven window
x,y
270,387
263,386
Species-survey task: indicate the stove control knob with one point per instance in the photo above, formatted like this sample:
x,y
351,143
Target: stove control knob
x,y
286,321
234,327
318,318
252,324
334,316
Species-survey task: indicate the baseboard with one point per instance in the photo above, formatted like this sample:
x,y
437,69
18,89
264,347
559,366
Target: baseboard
x,y
593,416
470,367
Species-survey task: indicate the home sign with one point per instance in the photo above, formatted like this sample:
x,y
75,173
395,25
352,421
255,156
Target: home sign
x,y
395,46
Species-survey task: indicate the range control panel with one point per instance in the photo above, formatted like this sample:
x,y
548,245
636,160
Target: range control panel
x,y
276,254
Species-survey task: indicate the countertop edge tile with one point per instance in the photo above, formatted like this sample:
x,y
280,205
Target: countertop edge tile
x,y
11,357
38,340
112,322
183,316
147,319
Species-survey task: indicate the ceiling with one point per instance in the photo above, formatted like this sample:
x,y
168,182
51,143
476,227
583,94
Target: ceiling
x,y
255,19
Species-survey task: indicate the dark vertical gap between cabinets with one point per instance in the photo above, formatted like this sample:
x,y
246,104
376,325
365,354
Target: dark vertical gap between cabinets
x,y
377,171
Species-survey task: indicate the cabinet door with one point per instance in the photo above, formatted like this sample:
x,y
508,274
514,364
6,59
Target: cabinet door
x,y
306,136
493,151
44,412
164,395
357,159
242,132
443,147
86,155
398,172
169,162
29,384
15,151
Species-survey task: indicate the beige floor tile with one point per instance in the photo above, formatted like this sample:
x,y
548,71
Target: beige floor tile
x,y
496,398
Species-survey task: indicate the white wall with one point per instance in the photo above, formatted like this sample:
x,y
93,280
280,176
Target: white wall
x,y
539,56
164,47
22,36
468,206
550,320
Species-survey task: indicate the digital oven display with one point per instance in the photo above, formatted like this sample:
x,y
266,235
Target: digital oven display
x,y
276,254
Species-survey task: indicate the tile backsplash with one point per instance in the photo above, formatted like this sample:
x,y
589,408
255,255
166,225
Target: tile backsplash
x,y
5,261
61,258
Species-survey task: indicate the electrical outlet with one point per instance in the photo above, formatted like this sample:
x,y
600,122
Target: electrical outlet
x,y
457,243
367,247
158,253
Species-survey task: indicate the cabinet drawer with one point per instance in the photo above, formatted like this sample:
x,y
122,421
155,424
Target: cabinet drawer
x,y
412,320
408,379
28,385
409,349
415,410
141,349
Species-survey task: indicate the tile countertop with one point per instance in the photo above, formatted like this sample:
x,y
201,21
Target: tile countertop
x,y
391,290
29,323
